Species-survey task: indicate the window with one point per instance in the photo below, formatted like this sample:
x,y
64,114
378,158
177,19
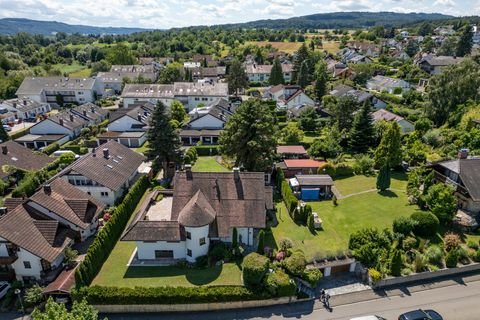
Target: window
x,y
189,252
27,265
197,99
189,235
202,241
104,194
89,193
163,254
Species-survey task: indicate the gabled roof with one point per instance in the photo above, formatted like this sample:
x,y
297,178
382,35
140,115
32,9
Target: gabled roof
x,y
68,202
22,105
36,85
44,238
144,111
112,172
314,180
197,212
90,111
440,61
386,115
470,175
68,119
291,150
21,157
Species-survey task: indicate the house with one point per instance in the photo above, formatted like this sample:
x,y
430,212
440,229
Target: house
x,y
212,74
390,85
351,55
128,126
261,72
7,117
385,115
190,94
25,108
368,49
463,175
91,112
337,69
214,116
59,90
288,96
292,167
205,207
113,80
404,34
36,142
361,96
15,155
63,123
106,172
447,30
435,64
312,187
70,207
191,137
292,152
31,247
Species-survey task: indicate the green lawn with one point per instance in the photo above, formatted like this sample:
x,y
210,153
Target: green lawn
x,y
84,73
116,273
143,148
208,164
71,69
361,183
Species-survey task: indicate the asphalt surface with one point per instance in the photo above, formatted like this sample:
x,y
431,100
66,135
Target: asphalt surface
x,y
457,301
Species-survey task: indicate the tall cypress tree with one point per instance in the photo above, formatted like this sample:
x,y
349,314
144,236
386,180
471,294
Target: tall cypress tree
x,y
276,75
321,78
302,79
3,135
465,43
389,151
363,132
302,54
383,178
237,79
164,142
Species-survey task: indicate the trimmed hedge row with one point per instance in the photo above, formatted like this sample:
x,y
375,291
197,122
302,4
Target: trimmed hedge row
x,y
106,239
51,148
19,134
206,150
166,295
77,149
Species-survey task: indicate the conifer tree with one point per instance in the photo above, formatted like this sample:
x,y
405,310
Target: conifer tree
x,y
321,78
301,55
465,43
276,75
261,242
383,178
362,133
389,151
303,75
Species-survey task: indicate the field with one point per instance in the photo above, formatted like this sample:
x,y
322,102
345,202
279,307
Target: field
x,y
288,47
73,70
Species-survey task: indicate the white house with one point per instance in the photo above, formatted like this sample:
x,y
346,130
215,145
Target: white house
x,y
113,80
63,123
386,115
213,116
382,83
436,64
25,108
361,96
204,207
105,173
52,89
261,72
288,96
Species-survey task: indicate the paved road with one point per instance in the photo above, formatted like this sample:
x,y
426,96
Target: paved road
x,y
456,302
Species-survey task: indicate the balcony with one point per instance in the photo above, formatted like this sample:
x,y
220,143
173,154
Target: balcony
x,y
7,260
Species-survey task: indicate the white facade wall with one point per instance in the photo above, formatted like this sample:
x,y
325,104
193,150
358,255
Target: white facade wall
x,y
245,235
193,243
299,100
207,121
19,266
123,124
98,192
47,126
194,101
128,101
146,250
84,96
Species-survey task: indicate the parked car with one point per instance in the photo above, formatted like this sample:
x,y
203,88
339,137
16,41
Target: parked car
x,y
4,287
420,315
59,153
7,127
368,318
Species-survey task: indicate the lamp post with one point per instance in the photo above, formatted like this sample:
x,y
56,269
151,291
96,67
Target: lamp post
x,y
17,292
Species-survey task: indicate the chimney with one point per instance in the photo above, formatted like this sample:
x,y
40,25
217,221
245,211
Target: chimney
x,y
60,121
94,152
463,153
15,105
92,109
85,113
71,117
236,173
4,149
47,189
106,153
24,102
188,170
139,117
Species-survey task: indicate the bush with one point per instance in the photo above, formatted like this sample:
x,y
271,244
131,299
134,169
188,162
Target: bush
x,y
290,200
434,255
207,150
404,225
409,243
427,223
261,242
312,276
285,244
363,164
201,262
254,268
29,183
472,244
396,263
295,264
451,241
420,263
278,284
374,275
218,251
51,148
451,259
475,256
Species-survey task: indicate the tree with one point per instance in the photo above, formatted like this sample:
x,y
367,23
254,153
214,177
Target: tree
x,y
301,55
254,268
303,75
34,295
70,256
177,111
58,311
321,79
441,200
389,152
291,134
234,238
396,263
465,43
249,136
363,132
171,73
327,146
121,54
308,119
164,142
342,111
261,242
311,223
3,135
383,178
448,47
276,75
425,29
237,79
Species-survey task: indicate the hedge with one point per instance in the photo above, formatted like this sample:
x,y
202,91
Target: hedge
x,y
254,268
279,284
19,134
166,295
108,236
204,150
77,149
51,148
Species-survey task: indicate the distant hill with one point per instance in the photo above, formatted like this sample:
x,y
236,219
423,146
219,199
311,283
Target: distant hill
x,y
342,20
12,26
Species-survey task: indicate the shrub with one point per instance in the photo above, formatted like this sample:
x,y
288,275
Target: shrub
x,y
472,244
427,223
285,244
369,244
206,150
409,243
363,164
51,148
420,263
463,255
280,255
451,241
261,242
218,251
254,268
295,264
278,284
451,259
396,263
312,276
434,255
375,275
475,256
201,262
34,295
404,225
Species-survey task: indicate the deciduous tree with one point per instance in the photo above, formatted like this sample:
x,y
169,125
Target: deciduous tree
x,y
237,79
177,111
465,43
321,79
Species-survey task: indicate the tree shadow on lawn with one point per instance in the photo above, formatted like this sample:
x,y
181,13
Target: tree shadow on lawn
x,y
196,277
388,194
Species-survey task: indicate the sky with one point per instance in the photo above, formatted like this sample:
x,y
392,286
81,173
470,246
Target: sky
x,y
162,14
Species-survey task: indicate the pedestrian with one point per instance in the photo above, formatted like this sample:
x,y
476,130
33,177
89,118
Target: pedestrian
x,y
327,301
322,296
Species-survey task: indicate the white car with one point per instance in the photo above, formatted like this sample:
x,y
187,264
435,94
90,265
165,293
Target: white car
x,y
7,127
4,287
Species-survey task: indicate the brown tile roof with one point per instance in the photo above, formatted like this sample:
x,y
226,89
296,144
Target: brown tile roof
x,y
35,235
113,172
22,158
12,203
386,115
197,212
291,150
63,284
68,202
144,230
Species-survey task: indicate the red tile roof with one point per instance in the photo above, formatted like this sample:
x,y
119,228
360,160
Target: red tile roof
x,y
63,284
291,150
303,163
